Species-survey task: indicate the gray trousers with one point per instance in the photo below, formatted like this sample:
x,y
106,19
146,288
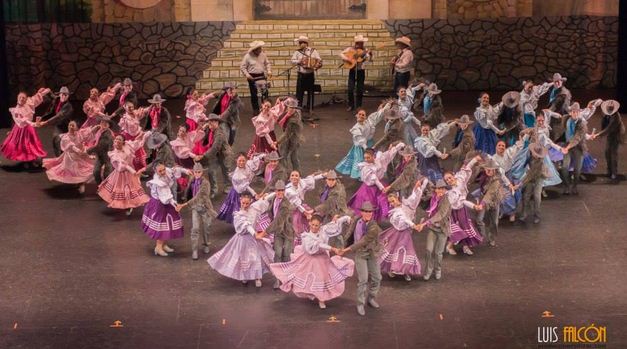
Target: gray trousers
x,y
200,226
368,269
488,222
574,156
532,197
290,158
98,178
436,242
212,171
283,248
56,142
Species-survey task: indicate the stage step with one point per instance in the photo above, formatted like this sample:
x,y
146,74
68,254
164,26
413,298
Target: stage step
x,y
329,38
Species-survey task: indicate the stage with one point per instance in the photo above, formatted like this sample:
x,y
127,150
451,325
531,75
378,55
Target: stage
x,y
71,268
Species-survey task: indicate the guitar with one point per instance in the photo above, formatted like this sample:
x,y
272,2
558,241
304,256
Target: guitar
x,y
357,55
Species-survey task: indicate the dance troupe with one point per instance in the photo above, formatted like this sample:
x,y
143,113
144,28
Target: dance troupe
x,y
511,154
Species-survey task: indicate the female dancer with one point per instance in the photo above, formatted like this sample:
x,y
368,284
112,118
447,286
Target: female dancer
x,y
428,153
74,166
462,229
195,108
312,273
22,144
363,133
295,193
247,255
161,220
485,130
265,138
96,103
399,256
130,129
122,189
529,97
241,178
372,171
183,145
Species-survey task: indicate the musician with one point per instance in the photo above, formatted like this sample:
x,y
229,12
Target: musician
x,y
357,74
256,67
308,60
402,63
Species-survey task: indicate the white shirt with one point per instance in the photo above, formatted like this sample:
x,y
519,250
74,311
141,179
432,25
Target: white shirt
x,y
315,243
296,194
486,116
529,101
255,64
242,177
371,173
457,194
244,220
362,133
427,146
402,217
298,56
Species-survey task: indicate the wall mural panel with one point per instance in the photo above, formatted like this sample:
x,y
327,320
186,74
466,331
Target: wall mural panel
x,y
499,53
161,57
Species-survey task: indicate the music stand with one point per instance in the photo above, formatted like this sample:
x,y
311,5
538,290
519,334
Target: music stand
x,y
288,72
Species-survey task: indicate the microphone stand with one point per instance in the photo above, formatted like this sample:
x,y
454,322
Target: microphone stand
x,y
288,72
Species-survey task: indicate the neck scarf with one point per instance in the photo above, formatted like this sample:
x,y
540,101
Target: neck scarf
x,y
433,204
196,186
154,117
426,104
571,125
360,229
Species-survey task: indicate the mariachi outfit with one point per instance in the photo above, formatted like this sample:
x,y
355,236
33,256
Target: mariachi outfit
x,y
160,220
73,166
240,179
311,272
485,130
461,228
371,186
529,102
122,189
244,257
402,68
362,134
428,152
306,78
357,74
296,196
22,143
258,67
94,107
398,255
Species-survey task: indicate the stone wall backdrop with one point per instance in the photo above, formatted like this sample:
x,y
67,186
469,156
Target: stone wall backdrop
x,y
497,54
159,57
